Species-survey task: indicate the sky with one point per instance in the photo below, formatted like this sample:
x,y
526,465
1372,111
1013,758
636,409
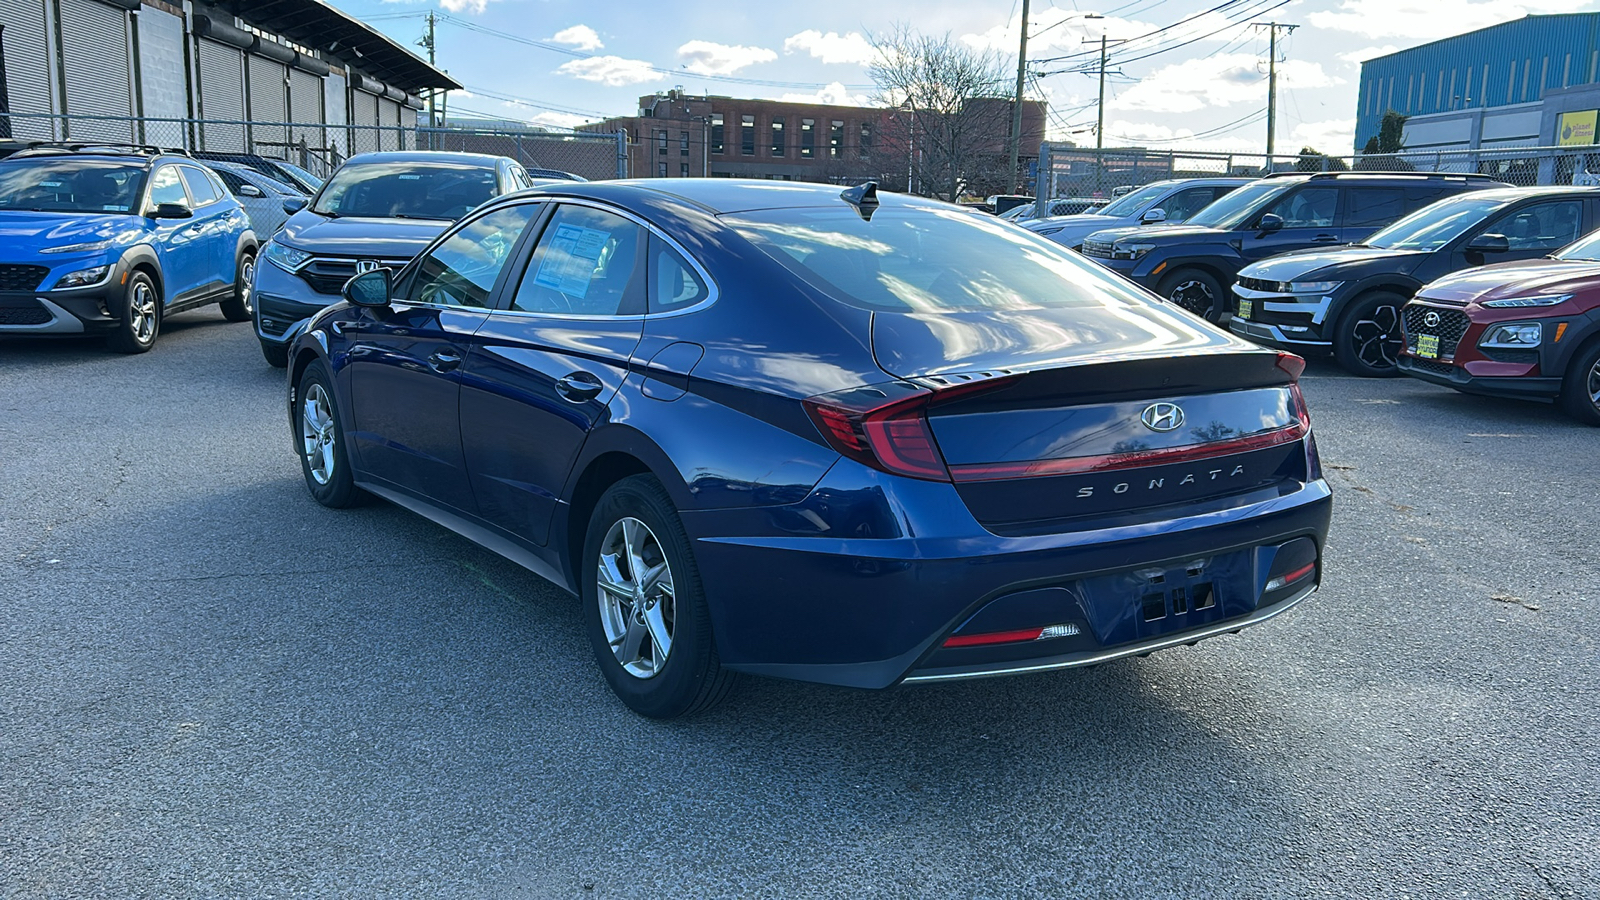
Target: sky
x,y
1182,74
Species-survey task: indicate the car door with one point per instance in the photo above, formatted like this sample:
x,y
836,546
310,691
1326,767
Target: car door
x,y
548,362
1531,230
405,359
1309,216
219,229
179,243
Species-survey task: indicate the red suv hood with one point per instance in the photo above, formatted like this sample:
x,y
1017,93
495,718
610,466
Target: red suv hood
x,y
1523,278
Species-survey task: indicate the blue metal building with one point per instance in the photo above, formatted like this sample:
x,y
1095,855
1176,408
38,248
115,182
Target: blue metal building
x,y
1502,65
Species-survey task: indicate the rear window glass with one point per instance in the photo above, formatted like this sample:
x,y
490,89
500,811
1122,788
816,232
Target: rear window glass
x,y
930,260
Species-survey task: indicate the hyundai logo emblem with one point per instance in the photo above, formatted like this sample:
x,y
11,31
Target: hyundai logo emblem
x,y
363,266
1162,417
1431,320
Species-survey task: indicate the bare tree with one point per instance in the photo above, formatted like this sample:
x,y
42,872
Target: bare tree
x,y
949,105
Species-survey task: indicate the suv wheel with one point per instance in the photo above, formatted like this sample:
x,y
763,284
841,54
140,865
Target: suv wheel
x,y
1196,291
1367,340
140,316
239,307
1580,392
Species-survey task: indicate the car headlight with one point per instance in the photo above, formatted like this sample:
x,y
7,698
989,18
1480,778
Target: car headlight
x,y
83,277
1130,251
1313,287
1512,336
78,248
284,256
1518,302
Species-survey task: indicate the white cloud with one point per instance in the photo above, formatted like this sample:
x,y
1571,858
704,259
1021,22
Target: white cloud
x,y
1366,53
1334,136
707,58
471,6
1058,32
1216,81
832,47
835,94
1122,133
1429,19
611,71
581,36
559,120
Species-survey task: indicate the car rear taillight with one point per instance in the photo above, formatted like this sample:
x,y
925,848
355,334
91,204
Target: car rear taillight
x,y
885,426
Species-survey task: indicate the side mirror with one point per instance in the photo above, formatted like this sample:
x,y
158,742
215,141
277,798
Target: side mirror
x,y
1271,222
372,290
294,205
172,211
1153,216
250,190
1489,243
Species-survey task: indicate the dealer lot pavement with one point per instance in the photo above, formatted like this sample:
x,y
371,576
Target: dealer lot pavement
x,y
210,686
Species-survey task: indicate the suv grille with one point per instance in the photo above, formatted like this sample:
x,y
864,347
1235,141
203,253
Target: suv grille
x,y
22,278
1100,249
1450,329
327,276
23,312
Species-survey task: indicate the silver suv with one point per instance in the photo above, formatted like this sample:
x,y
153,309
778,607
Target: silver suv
x,y
1160,202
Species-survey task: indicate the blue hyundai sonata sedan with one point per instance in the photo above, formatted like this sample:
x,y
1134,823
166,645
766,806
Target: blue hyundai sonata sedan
x,y
836,436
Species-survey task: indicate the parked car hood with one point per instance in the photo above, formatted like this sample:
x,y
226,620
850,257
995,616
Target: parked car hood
x,y
19,228
359,236
1080,219
1333,264
1522,278
1173,234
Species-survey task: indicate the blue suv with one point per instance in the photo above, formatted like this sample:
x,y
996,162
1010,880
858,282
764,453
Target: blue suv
x,y
114,239
377,210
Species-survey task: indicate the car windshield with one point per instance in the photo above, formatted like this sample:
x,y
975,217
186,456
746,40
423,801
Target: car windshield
x,y
1128,204
54,184
1231,211
929,260
405,190
1586,249
1434,226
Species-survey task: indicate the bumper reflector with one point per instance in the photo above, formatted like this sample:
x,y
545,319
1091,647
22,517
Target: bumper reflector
x,y
1291,578
1011,637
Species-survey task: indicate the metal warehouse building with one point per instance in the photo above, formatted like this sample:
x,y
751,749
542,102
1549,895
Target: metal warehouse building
x,y
218,77
1507,85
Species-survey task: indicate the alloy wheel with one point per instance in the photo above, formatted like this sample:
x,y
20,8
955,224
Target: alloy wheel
x,y
1593,385
247,279
142,312
1193,295
1376,338
317,433
637,608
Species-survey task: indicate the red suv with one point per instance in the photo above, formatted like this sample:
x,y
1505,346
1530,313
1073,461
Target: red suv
x,y
1519,329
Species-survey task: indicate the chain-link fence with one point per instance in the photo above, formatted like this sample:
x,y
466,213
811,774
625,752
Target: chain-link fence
x,y
1068,171
320,146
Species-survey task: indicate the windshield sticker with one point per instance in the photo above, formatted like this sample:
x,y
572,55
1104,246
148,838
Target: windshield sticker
x,y
51,183
410,177
111,207
570,264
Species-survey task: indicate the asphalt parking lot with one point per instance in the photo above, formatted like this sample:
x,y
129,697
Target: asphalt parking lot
x,y
212,687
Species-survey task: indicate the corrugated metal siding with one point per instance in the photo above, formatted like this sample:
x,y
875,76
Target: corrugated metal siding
x,y
96,69
27,68
269,102
221,95
305,107
1515,62
163,85
389,118
363,111
336,109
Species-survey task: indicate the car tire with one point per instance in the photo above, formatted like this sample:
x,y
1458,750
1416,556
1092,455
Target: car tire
x,y
320,442
1580,390
139,316
239,307
1195,290
276,355
1367,338
650,628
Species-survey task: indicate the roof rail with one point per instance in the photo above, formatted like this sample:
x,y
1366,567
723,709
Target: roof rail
x,y
110,148
1474,176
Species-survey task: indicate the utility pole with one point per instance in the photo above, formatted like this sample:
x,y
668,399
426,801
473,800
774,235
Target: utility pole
x,y
427,44
1272,84
1016,108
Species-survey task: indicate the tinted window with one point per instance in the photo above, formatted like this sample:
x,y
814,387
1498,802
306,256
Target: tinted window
x,y
585,265
1233,210
1544,227
232,180
674,284
462,271
1128,204
930,259
1373,207
1434,226
1183,204
70,185
166,188
1308,208
1418,197
406,190
200,187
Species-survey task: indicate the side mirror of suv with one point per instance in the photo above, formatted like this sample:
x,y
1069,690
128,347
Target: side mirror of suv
x,y
1489,243
250,190
171,211
294,205
1270,223
372,290
1153,216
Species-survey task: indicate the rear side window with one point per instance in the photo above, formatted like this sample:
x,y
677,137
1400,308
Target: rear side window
x,y
1373,207
674,284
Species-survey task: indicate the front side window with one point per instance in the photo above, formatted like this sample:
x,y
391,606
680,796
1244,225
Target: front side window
x,y
1542,227
1308,208
1180,206
463,270
586,264
166,187
48,184
1134,201
1242,205
406,190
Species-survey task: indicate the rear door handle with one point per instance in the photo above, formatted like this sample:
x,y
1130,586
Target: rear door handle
x,y
444,360
1325,239
578,387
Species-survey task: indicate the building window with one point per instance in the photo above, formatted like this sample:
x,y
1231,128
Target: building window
x,y
661,143
866,139
808,138
777,137
836,139
683,143
683,170
716,132
747,135
661,170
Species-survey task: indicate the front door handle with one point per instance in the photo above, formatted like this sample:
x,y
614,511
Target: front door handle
x,y
1325,239
444,361
579,387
